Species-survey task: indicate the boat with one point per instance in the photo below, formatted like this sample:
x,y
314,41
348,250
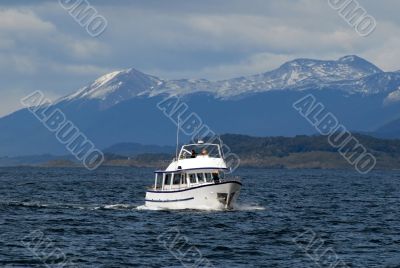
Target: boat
x,y
197,178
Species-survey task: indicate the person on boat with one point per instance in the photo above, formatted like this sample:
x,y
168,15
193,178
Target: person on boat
x,y
215,177
204,152
194,154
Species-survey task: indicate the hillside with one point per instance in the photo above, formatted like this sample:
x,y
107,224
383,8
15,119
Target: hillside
x,y
307,151
256,152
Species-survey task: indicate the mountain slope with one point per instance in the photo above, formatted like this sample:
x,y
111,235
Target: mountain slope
x,y
389,130
132,149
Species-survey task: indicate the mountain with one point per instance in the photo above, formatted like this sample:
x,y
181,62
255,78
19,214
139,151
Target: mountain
x,y
121,106
115,87
299,74
351,74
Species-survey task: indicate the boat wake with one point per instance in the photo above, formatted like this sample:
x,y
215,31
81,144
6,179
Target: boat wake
x,y
40,205
117,207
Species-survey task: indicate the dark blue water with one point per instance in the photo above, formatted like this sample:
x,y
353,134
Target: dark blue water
x,y
76,218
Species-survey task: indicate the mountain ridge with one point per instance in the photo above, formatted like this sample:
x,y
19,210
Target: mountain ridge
x,y
298,74
122,106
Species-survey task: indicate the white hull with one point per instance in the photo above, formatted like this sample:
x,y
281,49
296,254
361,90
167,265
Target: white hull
x,y
207,196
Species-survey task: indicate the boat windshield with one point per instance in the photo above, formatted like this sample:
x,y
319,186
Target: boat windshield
x,y
194,150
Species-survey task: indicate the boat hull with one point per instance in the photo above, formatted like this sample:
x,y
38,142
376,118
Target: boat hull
x,y
209,196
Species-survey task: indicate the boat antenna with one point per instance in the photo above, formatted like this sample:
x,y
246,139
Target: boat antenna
x,y
177,137
221,145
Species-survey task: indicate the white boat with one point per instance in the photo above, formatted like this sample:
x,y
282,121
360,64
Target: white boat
x,y
194,180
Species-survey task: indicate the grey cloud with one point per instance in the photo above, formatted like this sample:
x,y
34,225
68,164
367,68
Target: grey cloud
x,y
44,48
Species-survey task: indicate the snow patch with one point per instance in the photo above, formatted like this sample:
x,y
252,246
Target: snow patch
x,y
393,97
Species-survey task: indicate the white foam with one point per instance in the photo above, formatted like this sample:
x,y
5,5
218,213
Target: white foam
x,y
143,207
200,208
248,207
237,207
116,206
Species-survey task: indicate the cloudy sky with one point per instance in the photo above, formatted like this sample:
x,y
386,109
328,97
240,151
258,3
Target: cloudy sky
x,y
42,47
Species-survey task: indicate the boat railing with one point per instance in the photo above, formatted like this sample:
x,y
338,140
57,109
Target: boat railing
x,y
168,187
185,186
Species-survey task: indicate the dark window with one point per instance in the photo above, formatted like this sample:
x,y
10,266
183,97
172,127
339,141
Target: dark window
x,y
192,178
158,180
183,178
208,177
177,179
215,177
167,179
200,177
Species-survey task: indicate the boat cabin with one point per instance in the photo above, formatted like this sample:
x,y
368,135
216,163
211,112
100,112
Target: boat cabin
x,y
197,164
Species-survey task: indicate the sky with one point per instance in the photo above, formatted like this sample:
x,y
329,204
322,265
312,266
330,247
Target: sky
x,y
43,47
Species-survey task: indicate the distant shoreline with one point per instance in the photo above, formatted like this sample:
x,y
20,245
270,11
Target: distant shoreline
x,y
300,152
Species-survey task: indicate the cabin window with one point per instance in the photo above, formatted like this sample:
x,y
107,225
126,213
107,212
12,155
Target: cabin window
x,y
167,180
215,176
158,180
177,179
208,177
183,178
200,177
192,178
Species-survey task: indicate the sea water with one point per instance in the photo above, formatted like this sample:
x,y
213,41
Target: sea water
x,y
71,217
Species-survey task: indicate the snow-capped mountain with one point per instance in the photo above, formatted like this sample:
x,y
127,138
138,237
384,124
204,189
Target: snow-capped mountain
x,y
122,106
117,86
350,73
301,74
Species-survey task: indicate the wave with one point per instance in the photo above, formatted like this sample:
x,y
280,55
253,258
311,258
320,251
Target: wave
x,y
117,207
25,204
248,207
68,206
